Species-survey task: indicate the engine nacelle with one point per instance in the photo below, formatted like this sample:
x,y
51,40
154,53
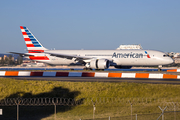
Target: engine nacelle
x,y
99,64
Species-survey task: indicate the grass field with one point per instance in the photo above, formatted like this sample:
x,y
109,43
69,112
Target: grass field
x,y
109,98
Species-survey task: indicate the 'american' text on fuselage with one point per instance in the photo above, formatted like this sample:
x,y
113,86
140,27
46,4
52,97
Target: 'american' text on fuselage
x,y
127,55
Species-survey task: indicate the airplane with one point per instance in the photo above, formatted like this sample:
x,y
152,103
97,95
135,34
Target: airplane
x,y
92,59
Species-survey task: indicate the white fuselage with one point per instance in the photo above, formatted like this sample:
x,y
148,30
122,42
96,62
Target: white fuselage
x,y
117,57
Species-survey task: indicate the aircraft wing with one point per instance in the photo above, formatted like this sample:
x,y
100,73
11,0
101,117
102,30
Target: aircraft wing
x,y
21,54
68,56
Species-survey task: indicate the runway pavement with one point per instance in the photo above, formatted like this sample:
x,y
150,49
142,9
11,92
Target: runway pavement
x,y
132,75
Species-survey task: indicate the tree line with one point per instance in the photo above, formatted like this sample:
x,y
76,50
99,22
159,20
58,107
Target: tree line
x,y
9,60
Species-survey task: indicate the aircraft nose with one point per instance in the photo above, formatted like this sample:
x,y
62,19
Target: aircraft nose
x,y
170,61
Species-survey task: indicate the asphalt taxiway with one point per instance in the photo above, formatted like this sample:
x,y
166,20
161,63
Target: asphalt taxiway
x,y
97,79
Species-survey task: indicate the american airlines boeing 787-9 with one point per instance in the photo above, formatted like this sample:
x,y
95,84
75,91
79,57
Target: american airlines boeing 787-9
x,y
92,59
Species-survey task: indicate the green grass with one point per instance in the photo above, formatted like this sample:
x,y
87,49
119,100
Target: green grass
x,y
90,89
112,99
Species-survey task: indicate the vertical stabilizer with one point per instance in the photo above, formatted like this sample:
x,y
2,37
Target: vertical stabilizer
x,y
33,45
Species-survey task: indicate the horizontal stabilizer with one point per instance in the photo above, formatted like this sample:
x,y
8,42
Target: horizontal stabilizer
x,y
21,54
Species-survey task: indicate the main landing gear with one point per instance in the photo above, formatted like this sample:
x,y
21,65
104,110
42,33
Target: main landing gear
x,y
92,69
87,68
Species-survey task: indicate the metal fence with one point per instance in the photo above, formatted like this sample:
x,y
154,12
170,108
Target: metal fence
x,y
92,108
40,101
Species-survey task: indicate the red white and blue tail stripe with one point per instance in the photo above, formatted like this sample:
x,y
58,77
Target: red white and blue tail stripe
x,y
33,45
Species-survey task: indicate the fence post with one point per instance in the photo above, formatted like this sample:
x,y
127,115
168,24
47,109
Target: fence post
x,y
17,103
17,112
94,108
174,110
54,109
162,114
131,108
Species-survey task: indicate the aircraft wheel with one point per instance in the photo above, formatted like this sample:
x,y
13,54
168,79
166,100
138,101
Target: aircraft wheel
x,y
87,68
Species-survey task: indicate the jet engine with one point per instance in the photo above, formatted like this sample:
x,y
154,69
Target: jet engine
x,y
99,64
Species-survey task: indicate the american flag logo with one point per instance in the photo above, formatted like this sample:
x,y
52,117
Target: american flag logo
x,y
147,54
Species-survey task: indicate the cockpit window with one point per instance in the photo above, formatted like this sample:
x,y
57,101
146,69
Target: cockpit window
x,y
165,55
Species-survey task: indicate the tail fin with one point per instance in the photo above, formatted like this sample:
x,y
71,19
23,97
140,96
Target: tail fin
x,y
33,45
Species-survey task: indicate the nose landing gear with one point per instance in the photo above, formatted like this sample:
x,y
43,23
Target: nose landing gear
x,y
160,68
